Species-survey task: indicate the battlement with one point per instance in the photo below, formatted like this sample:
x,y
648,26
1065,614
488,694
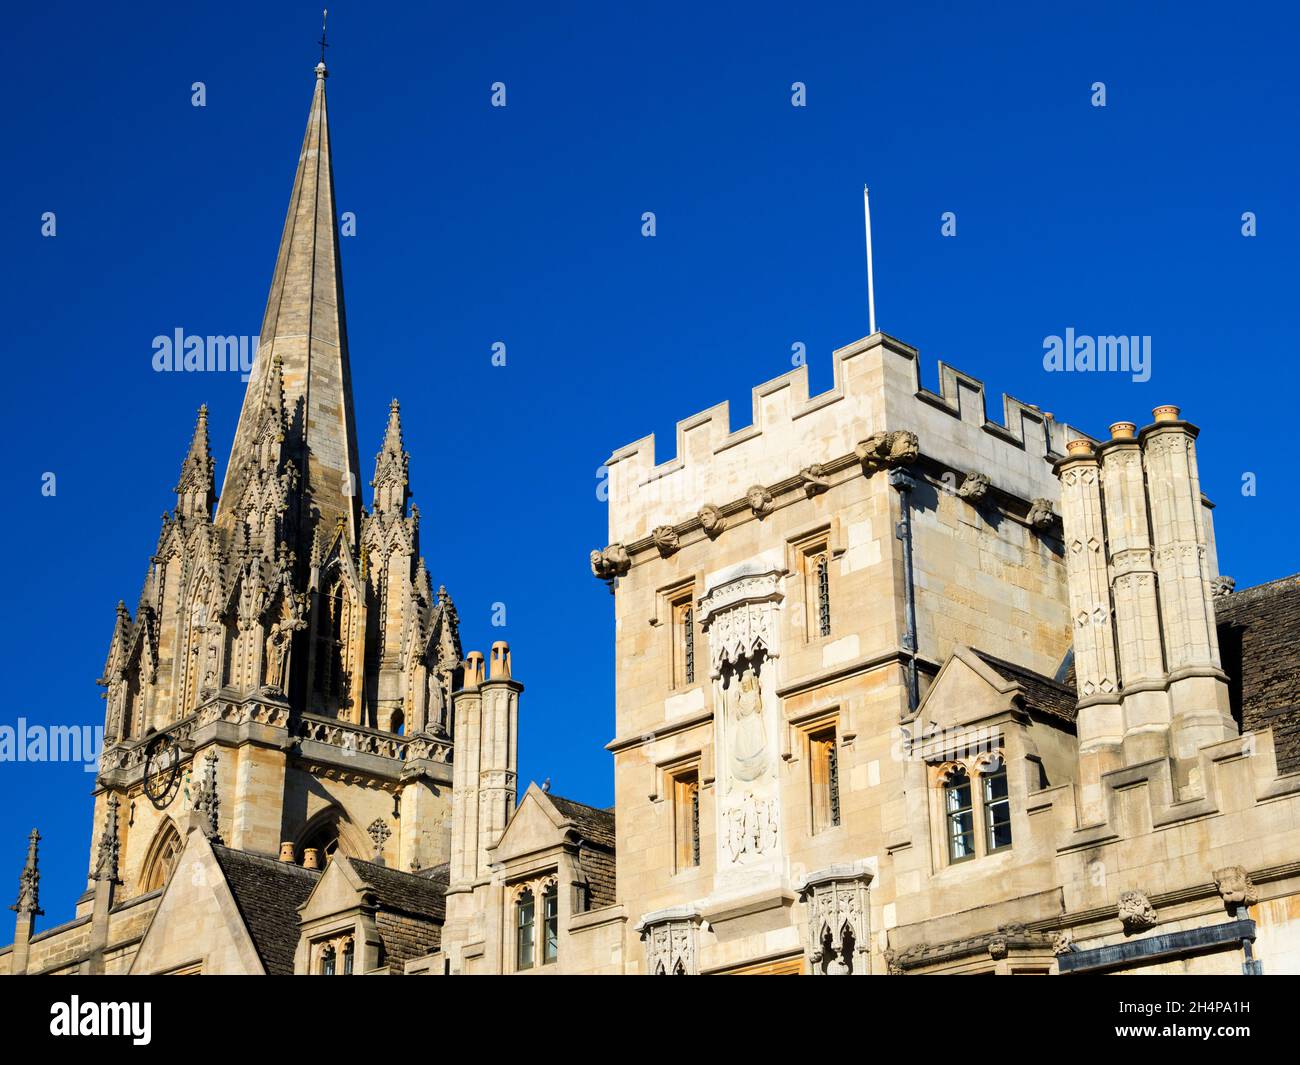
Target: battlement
x,y
877,388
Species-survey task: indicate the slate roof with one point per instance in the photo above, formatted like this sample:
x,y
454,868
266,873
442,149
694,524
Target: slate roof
x,y
594,824
1259,644
268,894
413,893
596,827
1040,692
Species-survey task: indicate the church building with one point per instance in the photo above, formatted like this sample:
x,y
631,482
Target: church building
x,y
900,689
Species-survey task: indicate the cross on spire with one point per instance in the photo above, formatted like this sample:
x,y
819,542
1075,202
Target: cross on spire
x,y
323,16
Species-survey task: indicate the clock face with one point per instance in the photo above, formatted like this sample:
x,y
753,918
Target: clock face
x,y
162,771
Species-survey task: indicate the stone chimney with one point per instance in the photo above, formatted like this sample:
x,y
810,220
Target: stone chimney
x,y
1138,563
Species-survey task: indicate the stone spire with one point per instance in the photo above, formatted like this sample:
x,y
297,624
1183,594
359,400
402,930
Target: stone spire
x,y
305,330
29,901
195,491
391,482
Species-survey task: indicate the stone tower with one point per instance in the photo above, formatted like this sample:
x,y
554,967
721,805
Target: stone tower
x,y
284,627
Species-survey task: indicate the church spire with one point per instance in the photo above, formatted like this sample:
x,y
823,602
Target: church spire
x,y
194,491
304,331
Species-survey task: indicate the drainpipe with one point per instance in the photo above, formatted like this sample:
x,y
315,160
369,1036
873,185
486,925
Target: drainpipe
x,y
902,481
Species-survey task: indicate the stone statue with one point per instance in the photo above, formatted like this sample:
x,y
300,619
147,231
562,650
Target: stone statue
x,y
748,731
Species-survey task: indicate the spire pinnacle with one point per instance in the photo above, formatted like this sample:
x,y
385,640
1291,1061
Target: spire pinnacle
x,y
321,71
29,882
194,491
391,483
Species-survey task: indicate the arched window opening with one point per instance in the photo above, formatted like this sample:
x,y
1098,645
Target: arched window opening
x,y
166,852
550,924
324,839
348,955
397,723
327,960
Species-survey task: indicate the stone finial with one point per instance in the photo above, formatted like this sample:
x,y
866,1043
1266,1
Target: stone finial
x,y
814,480
882,451
1235,887
665,539
974,487
206,801
613,562
1136,913
711,520
29,881
379,833
110,845
1221,586
1041,516
759,500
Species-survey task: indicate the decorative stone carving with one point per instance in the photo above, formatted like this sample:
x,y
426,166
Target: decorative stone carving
x,y
759,500
1221,586
882,451
838,934
892,965
1136,913
670,938
1235,887
1041,515
974,487
379,833
1063,943
998,947
665,539
741,619
814,479
29,882
711,520
613,562
109,845
206,802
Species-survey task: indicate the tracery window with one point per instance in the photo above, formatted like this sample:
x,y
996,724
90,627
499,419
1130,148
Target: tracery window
x,y
166,852
976,806
536,920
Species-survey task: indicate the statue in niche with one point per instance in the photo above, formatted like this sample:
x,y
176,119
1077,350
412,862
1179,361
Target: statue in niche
x,y
748,730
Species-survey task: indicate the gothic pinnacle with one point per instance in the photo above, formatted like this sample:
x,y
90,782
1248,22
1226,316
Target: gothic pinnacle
x,y
29,881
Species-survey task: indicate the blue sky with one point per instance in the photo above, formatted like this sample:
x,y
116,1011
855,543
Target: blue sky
x,y
523,225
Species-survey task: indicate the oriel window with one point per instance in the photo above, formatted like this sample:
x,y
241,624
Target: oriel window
x,y
550,924
960,815
524,922
997,809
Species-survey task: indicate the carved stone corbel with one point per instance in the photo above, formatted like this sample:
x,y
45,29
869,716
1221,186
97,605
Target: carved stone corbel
x,y
665,539
1041,516
1136,913
881,451
759,500
711,521
813,479
974,487
613,562
1235,887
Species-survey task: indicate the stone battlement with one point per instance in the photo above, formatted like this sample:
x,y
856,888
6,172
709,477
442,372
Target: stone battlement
x,y
877,388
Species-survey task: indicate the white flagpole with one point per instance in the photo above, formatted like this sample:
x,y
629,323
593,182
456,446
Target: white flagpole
x,y
871,284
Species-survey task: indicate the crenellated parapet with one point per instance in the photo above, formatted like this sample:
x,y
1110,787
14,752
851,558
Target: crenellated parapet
x,y
801,439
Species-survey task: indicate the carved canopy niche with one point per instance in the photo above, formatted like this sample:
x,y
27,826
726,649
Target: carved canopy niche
x,y
838,929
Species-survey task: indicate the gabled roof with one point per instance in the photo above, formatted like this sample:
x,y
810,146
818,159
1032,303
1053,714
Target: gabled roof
x,y
268,894
1038,691
1259,644
594,824
412,893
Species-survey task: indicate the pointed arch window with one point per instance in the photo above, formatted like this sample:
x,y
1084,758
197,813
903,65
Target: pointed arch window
x,y
348,955
327,962
163,857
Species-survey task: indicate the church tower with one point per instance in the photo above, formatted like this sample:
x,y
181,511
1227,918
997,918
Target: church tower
x,y
284,628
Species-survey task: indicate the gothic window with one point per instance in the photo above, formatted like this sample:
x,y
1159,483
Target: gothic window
x,y
686,817
822,564
348,954
324,839
164,855
550,924
960,815
997,808
334,635
815,563
327,960
524,920
683,636
824,771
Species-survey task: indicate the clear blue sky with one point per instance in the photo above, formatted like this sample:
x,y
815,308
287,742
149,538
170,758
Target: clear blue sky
x,y
522,225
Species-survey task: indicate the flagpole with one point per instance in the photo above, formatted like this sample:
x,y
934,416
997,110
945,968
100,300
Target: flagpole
x,y
871,284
